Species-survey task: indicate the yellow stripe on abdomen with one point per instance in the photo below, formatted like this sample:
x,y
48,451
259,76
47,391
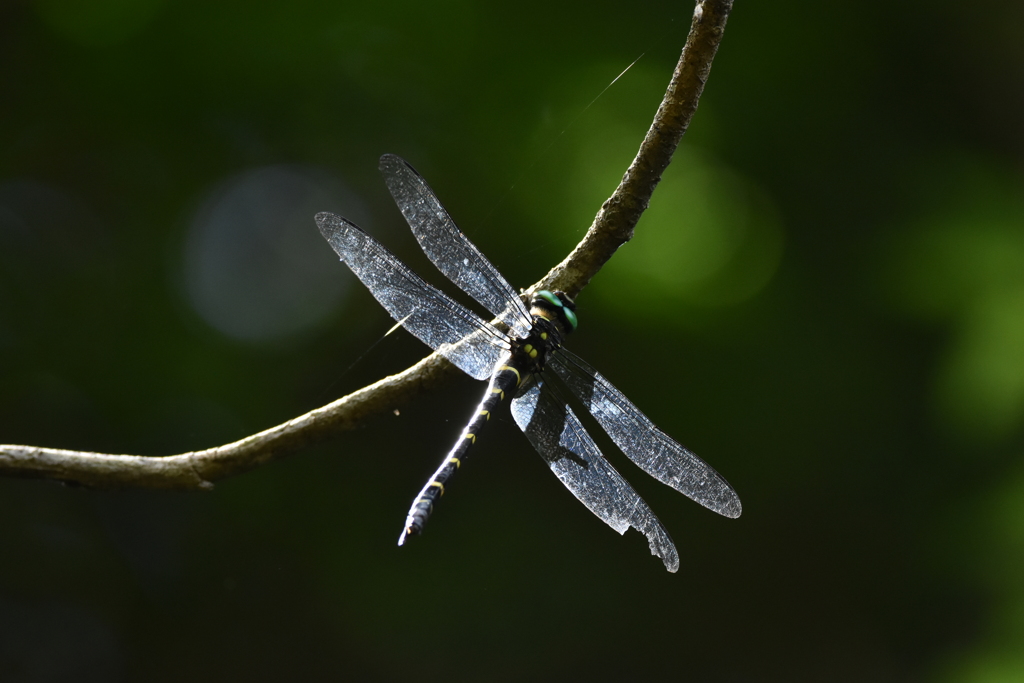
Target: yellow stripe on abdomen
x,y
519,378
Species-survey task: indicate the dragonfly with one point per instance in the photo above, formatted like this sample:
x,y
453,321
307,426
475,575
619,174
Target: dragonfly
x,y
521,355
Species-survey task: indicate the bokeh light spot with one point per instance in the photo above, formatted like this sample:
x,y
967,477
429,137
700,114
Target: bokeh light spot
x,y
962,265
256,267
709,238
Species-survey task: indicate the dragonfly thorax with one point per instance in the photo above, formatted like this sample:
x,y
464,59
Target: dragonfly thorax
x,y
553,318
532,352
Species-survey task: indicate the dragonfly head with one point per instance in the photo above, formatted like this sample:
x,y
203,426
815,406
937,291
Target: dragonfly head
x,y
557,307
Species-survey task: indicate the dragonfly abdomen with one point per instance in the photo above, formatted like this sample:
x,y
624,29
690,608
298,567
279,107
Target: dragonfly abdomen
x,y
504,381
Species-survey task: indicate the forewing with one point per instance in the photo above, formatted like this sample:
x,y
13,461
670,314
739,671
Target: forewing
x,y
442,323
556,433
449,249
651,449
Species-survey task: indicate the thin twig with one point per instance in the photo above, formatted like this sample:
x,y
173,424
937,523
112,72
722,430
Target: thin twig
x,y
612,227
614,223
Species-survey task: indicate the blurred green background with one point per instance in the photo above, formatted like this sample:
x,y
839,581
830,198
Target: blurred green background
x,y
825,301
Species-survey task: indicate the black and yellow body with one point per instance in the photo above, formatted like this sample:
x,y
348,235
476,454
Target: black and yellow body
x,y
520,355
553,315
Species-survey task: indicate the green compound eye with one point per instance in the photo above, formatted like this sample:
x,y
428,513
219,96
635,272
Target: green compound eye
x,y
549,297
570,317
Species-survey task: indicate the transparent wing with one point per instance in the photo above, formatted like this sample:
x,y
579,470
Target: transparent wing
x,y
442,323
654,451
556,433
449,249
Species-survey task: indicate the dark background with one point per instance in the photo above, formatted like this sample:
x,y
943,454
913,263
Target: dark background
x,y
826,301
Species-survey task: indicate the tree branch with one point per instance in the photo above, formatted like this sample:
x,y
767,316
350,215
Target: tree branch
x,y
614,223
612,227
